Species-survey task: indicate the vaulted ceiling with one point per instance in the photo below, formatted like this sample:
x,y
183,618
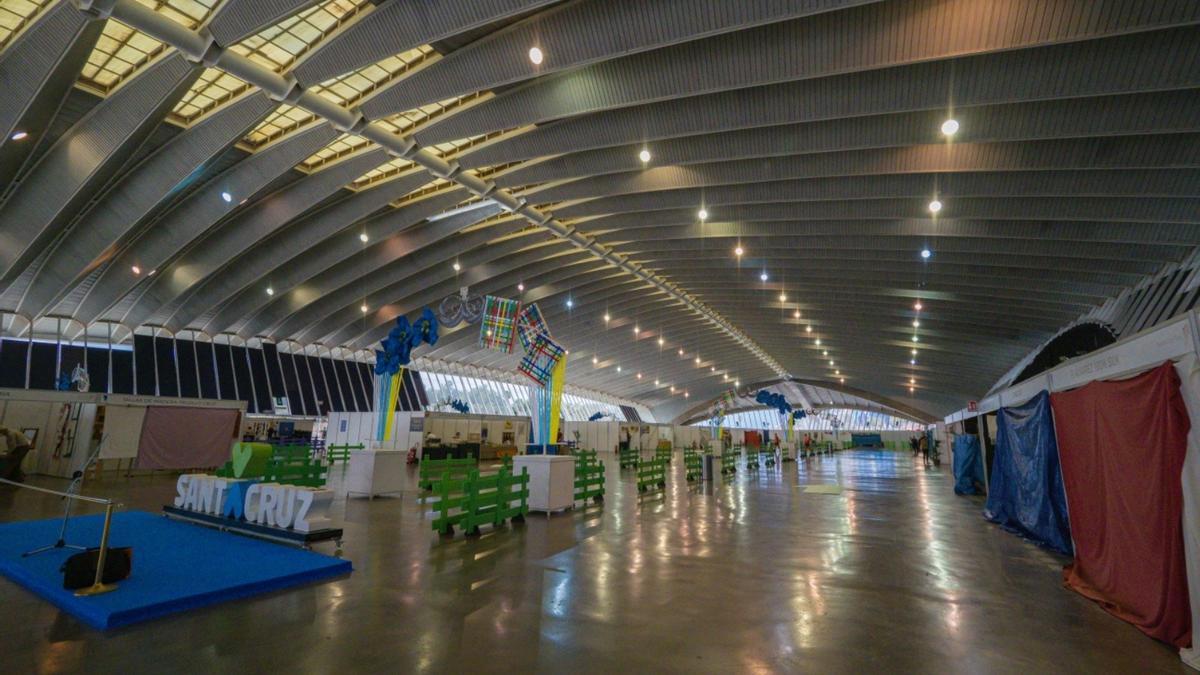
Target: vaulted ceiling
x,y
227,148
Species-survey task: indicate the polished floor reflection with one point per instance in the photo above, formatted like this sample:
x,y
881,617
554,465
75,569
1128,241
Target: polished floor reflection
x,y
894,573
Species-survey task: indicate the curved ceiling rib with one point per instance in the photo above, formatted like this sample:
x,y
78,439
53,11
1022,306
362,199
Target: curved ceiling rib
x,y
36,73
137,196
890,34
85,158
578,33
808,131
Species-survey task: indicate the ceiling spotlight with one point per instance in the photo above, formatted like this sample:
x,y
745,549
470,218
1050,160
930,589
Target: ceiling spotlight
x,y
535,55
151,273
843,380
570,303
950,127
830,363
672,389
686,395
712,369
837,372
639,376
681,351
912,361
457,267
763,276
918,306
914,351
697,360
594,360
136,269
703,214
925,253
521,287
796,314
363,237
644,155
606,317
725,377
739,251
915,339
916,324
808,328
824,352
618,369
19,136
912,380
783,297
818,342
636,330
660,342
364,309
935,206
737,383
227,197
270,291
911,390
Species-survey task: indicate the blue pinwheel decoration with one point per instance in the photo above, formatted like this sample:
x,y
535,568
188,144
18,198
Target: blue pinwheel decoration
x,y
773,400
425,329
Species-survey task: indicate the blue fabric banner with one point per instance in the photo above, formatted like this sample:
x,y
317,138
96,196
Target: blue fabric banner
x,y
1026,493
968,465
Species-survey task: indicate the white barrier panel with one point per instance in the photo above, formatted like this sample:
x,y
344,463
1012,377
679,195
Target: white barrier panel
x,y
1020,393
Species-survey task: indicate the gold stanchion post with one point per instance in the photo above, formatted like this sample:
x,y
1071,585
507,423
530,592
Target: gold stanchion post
x,y
99,586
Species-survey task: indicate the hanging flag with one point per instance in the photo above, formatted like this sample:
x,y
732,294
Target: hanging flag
x,y
497,328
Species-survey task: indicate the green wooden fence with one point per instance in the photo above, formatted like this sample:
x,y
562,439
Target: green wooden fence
x,y
477,500
589,476
433,469
651,474
663,454
340,453
628,458
729,461
691,465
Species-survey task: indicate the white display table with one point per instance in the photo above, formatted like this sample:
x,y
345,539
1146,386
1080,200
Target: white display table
x,y
551,481
375,472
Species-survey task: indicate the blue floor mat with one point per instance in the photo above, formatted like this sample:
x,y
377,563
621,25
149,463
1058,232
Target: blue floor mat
x,y
176,566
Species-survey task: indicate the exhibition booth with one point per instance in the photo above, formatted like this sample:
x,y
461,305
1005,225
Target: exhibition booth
x,y
1098,459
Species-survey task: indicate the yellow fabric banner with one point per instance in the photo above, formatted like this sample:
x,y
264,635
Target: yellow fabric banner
x,y
397,381
557,378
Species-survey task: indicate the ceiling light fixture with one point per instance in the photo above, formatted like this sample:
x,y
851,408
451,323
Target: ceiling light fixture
x,y
19,136
570,303
703,213
950,127
915,339
606,317
763,276
697,360
639,376
739,251
536,56
914,351
594,360
644,155
636,330
818,342
227,197
783,297
363,237
457,267
618,369
925,253
521,287
935,206
270,291
824,352
912,362
916,324
681,351
136,269
656,382
808,328
364,309
660,342
796,314
918,306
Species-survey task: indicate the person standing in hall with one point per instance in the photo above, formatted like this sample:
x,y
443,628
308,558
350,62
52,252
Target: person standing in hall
x,y
923,443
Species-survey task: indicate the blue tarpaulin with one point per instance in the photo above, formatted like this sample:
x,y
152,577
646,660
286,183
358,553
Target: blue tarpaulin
x,y
1026,492
968,464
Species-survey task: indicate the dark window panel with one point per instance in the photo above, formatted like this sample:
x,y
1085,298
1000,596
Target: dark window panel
x,y
188,386
164,354
314,368
122,362
271,352
291,385
12,363
42,372
365,373
258,372
351,386
331,384
229,391
241,373
208,376
97,367
143,351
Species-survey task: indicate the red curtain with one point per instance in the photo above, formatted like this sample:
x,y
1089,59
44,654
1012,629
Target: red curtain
x,y
186,438
1122,445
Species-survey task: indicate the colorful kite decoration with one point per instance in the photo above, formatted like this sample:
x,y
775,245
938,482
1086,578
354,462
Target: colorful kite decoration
x,y
530,324
391,360
539,362
497,328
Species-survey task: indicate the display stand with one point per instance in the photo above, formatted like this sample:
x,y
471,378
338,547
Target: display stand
x,y
551,481
375,472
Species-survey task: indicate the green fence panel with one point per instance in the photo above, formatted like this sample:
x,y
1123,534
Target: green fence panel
x,y
476,500
752,459
589,477
663,454
431,469
290,472
629,458
691,465
729,461
651,474
340,453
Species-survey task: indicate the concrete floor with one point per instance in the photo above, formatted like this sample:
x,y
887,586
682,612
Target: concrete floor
x,y
895,574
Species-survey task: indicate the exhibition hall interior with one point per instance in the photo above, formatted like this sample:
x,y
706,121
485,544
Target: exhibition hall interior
x,y
598,336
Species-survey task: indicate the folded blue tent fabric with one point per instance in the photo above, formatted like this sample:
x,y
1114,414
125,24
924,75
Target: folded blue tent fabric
x,y
968,465
1026,493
